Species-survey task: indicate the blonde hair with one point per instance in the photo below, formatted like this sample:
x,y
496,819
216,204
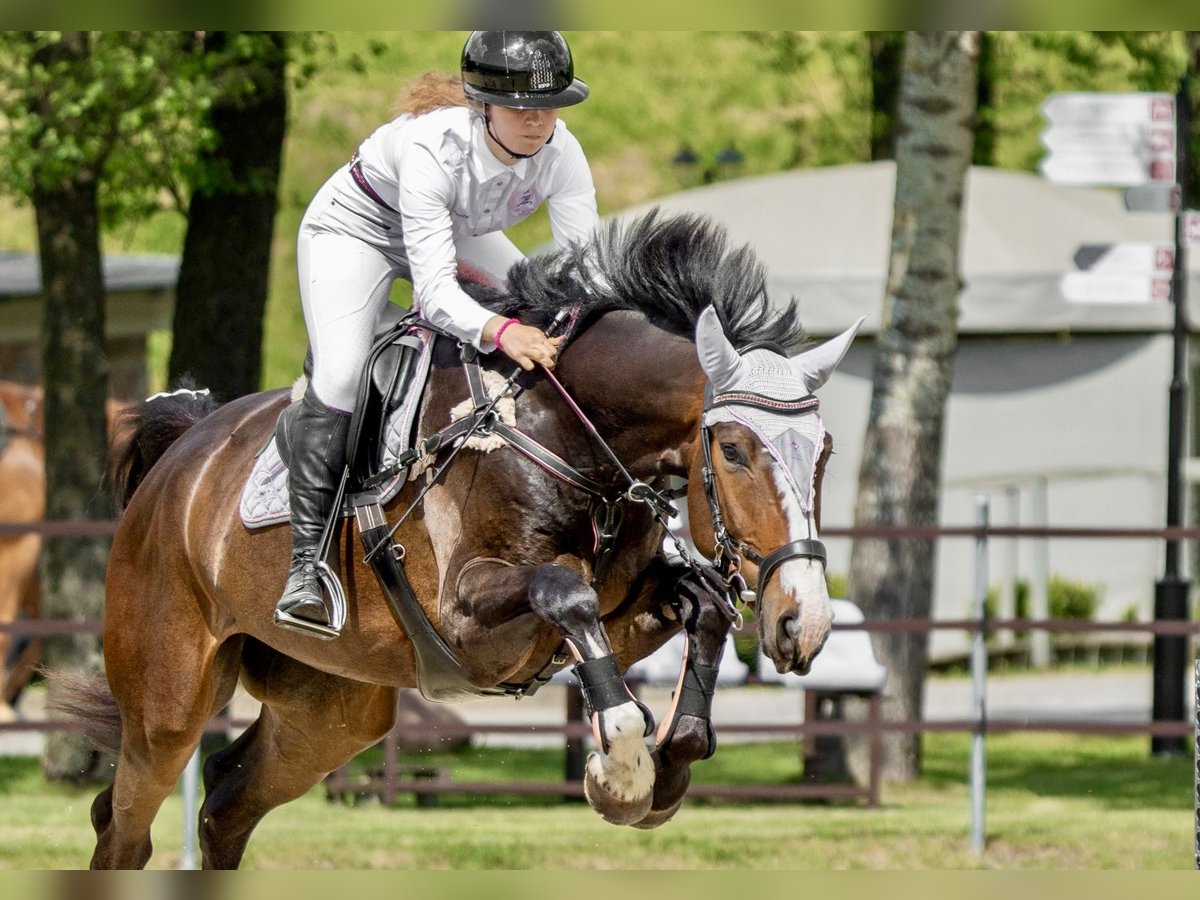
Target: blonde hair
x,y
433,90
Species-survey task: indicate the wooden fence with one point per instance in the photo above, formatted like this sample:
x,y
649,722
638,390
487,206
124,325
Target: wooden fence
x,y
394,778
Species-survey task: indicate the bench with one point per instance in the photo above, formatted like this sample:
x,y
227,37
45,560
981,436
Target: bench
x,y
342,787
846,668
386,781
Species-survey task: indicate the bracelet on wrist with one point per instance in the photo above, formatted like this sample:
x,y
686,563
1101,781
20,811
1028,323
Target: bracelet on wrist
x,y
500,330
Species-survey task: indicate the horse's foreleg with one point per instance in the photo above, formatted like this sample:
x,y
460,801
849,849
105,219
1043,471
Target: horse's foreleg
x,y
311,723
686,734
619,778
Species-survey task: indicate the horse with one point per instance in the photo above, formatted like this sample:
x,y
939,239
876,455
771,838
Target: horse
x,y
675,353
22,499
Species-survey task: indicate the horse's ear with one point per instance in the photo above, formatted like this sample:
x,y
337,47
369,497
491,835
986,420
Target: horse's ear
x,y
816,365
719,360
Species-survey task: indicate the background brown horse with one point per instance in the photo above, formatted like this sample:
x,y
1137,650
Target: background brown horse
x,y
500,553
22,499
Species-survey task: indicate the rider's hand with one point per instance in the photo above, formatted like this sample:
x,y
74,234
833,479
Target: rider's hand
x,y
526,345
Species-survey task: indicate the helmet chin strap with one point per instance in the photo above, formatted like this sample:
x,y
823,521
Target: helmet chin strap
x,y
487,119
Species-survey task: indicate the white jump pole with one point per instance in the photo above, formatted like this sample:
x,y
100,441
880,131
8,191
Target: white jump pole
x,y
190,788
979,680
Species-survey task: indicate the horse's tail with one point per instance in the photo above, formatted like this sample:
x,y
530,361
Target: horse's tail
x,y
87,701
144,431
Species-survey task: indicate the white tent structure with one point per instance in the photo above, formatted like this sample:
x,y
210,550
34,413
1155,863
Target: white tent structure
x,y
1058,409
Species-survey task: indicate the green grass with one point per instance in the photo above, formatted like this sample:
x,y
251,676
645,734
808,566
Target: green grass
x,y
1054,802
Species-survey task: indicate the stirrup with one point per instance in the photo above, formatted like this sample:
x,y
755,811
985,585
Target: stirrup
x,y
337,600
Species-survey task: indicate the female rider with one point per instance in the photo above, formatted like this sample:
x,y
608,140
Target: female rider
x,y
424,193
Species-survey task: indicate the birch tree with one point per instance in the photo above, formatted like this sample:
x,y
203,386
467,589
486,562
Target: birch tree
x,y
900,476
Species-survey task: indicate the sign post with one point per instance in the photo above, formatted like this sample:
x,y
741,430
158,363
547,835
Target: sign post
x,y
1158,198
1171,593
1139,141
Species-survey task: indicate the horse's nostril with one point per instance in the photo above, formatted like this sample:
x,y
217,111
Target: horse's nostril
x,y
786,631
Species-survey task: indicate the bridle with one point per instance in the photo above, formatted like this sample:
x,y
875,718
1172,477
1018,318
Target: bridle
x,y
731,549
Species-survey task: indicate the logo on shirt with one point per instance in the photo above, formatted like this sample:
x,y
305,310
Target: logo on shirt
x,y
523,203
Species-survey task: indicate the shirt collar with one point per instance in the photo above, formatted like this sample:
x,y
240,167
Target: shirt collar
x,y
490,167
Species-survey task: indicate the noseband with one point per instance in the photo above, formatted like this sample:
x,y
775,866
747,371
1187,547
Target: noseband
x,y
730,549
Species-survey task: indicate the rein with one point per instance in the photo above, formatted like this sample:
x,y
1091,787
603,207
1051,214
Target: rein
x,y
483,421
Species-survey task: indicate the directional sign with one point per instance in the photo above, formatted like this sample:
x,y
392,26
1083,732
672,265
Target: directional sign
x,y
1120,169
1101,138
1094,108
1191,227
1131,258
1156,198
1088,287
1096,138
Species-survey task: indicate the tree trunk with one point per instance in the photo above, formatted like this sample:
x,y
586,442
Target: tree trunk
x,y
984,153
887,52
75,381
222,289
900,477
75,377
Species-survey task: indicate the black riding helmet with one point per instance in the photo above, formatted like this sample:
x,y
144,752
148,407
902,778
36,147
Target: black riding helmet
x,y
520,70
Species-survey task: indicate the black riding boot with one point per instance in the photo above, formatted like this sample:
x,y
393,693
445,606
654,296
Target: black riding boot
x,y
312,441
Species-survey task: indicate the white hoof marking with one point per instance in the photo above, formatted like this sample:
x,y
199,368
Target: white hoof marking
x,y
626,771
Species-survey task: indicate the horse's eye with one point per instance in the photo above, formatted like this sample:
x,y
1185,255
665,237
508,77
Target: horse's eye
x,y
732,454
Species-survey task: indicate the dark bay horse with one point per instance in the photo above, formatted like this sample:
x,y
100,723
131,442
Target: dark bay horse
x,y
500,552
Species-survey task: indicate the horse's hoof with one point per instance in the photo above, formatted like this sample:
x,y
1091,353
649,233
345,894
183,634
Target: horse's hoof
x,y
619,783
664,790
657,817
611,806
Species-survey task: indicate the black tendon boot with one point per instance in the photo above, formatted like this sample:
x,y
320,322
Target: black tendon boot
x,y
312,441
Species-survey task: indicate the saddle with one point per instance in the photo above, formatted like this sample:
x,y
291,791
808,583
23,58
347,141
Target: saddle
x,y
385,385
389,397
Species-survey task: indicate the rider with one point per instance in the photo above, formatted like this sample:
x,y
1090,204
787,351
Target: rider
x,y
424,193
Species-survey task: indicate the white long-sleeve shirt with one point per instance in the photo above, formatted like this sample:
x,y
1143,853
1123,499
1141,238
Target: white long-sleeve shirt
x,y
438,172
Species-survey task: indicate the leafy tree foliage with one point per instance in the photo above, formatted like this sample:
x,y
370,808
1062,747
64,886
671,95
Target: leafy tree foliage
x,y
124,109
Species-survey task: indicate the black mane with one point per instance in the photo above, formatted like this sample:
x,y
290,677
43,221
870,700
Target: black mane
x,y
669,268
